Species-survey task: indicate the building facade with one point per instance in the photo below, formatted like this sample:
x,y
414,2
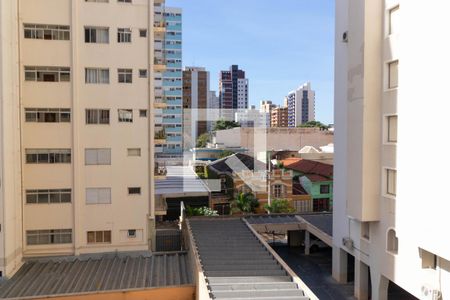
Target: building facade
x,y
301,105
266,107
279,117
168,83
76,177
195,103
395,234
233,90
251,117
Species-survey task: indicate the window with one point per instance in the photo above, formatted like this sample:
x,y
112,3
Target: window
x,y
48,196
142,73
126,115
391,182
365,230
429,260
49,236
392,129
393,74
97,156
143,113
124,1
124,35
143,32
98,195
125,75
99,237
102,1
134,151
46,32
277,190
96,75
97,116
98,35
394,20
392,241
324,189
131,233
47,74
134,191
48,156
47,115
321,204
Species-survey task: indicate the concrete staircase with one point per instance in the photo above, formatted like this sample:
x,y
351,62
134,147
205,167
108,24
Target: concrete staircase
x,y
236,265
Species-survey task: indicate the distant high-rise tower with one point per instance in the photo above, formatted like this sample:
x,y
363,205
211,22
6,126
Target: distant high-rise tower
x,y
195,102
301,105
233,89
266,107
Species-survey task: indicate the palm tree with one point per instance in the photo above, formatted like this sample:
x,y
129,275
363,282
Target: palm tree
x,y
246,202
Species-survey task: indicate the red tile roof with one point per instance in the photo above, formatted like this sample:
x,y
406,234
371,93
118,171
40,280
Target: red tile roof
x,y
297,189
317,178
307,166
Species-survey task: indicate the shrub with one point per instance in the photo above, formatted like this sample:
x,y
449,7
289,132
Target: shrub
x,y
279,206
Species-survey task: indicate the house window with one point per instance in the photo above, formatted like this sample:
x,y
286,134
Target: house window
x,y
391,182
97,156
97,75
143,113
47,115
124,35
321,204
277,190
98,195
131,233
46,32
48,156
126,115
429,260
392,129
125,75
394,20
324,189
124,1
99,237
134,151
134,191
97,116
143,32
223,184
47,74
99,35
143,73
48,196
393,74
392,241
49,236
365,230
102,1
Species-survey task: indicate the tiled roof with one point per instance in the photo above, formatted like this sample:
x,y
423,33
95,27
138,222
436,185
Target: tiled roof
x,y
317,178
297,189
307,166
249,162
97,273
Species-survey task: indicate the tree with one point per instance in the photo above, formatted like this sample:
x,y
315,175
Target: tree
x,y
246,203
203,140
225,153
223,124
315,124
279,206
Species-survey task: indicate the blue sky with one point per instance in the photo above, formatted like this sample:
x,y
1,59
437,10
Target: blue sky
x,y
280,44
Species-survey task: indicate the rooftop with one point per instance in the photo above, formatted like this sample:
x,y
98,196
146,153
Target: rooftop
x,y
97,273
179,181
307,166
246,161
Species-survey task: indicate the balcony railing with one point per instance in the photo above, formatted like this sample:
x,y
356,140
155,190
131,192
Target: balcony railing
x,y
160,171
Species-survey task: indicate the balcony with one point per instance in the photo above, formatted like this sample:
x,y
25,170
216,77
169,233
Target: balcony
x,y
160,171
159,65
172,120
160,206
173,129
159,104
159,27
160,137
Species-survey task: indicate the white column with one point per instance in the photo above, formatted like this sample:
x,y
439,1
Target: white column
x,y
361,280
307,242
340,261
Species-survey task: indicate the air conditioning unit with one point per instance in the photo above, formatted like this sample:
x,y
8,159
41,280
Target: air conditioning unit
x,y
431,294
348,242
345,37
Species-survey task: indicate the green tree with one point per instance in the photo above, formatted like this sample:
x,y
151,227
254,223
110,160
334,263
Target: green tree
x,y
317,124
203,140
246,203
279,206
225,153
223,124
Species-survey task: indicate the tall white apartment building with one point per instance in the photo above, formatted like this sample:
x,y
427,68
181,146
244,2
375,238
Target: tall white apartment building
x,y
265,107
76,128
301,105
390,216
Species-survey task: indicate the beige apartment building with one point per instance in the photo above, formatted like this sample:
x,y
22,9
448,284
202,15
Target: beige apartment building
x,y
279,117
390,218
76,130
